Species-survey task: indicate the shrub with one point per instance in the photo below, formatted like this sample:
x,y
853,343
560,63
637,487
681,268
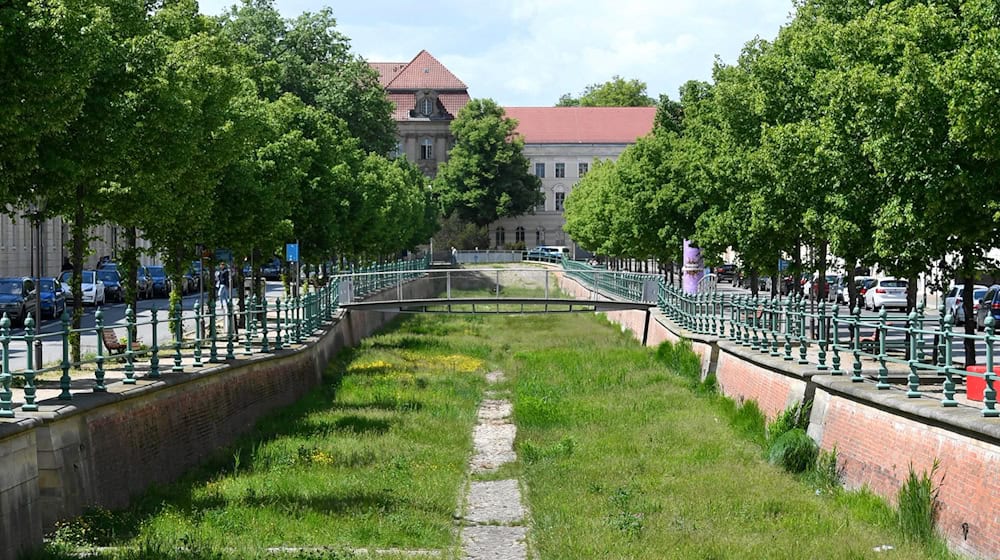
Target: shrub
x,y
794,450
795,416
918,504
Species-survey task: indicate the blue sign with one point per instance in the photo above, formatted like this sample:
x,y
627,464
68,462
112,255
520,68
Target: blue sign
x,y
224,255
782,265
292,252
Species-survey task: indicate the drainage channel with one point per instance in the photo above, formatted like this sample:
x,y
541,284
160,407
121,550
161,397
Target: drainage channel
x,y
493,518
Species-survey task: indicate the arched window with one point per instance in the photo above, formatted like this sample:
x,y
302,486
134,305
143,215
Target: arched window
x,y
426,106
539,236
519,234
426,149
501,238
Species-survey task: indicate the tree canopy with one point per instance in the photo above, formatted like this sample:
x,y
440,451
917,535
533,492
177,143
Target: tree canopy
x,y
618,92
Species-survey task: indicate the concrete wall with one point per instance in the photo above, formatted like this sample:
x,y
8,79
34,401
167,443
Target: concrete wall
x,y
877,434
103,449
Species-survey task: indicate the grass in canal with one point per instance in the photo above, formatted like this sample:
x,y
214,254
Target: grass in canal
x,y
621,457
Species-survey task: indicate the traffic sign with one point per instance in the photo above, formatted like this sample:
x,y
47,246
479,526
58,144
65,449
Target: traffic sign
x,y
292,252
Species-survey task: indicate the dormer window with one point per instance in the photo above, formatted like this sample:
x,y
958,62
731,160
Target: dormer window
x,y
426,106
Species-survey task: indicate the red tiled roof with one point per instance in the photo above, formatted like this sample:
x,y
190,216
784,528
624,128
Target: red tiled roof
x,y
423,72
582,125
404,102
387,71
453,102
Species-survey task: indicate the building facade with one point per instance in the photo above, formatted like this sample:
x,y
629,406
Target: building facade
x,y
427,97
562,144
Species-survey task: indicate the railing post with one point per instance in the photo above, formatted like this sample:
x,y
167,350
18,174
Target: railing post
x,y
277,325
835,340
949,381
264,345
803,341
822,342
883,372
788,329
250,317
990,393
298,318
64,380
6,395
29,372
230,320
856,367
99,386
213,349
913,378
154,356
920,326
129,353
179,337
940,339
775,325
199,335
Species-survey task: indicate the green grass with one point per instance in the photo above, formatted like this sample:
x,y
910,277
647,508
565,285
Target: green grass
x,y
624,452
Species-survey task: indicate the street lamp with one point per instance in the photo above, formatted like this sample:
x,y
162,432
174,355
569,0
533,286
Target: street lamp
x,y
35,210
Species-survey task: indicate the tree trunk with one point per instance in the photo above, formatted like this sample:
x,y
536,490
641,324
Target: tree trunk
x,y
79,233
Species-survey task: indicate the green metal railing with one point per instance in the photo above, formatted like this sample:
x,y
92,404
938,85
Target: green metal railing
x,y
200,336
822,336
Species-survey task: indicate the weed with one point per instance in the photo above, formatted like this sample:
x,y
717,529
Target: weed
x,y
918,504
793,450
795,416
825,474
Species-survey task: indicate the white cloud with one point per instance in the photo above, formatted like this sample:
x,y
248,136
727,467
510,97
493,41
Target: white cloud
x,y
529,52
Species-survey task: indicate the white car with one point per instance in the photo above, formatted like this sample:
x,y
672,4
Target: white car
x,y
886,292
953,301
90,284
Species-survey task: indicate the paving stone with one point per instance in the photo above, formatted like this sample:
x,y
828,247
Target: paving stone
x,y
495,501
494,446
495,543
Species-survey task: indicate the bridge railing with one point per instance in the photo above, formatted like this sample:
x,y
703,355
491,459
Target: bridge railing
x,y
154,345
631,286
831,338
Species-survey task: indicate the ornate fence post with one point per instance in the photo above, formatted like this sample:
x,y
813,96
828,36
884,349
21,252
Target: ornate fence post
x,y
6,404
154,356
278,323
250,317
99,386
788,329
199,335
775,325
213,349
129,353
856,343
179,336
836,339
913,378
990,393
949,381
822,342
230,320
264,345
883,372
29,372
64,380
803,341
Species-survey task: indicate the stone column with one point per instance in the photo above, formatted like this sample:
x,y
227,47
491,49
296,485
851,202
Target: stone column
x,y
693,268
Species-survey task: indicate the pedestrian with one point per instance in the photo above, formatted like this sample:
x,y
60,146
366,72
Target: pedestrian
x,y
222,284
454,255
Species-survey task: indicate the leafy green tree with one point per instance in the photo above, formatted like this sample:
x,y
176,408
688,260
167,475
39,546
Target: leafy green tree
x,y
486,176
47,58
309,58
617,92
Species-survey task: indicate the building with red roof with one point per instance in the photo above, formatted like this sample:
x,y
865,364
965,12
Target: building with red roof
x,y
562,143
427,97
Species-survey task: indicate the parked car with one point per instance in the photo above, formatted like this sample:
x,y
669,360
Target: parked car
x,y
549,253
953,301
113,288
831,292
52,297
17,299
886,292
726,272
158,276
143,283
90,284
989,305
271,270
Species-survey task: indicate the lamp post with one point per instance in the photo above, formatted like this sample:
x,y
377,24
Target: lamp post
x,y
35,214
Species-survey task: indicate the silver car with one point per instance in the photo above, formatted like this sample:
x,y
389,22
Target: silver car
x,y
887,292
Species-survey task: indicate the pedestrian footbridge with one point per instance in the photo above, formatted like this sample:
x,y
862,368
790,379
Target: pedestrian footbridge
x,y
524,290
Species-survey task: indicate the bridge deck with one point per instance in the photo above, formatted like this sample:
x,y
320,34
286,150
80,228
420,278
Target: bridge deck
x,y
494,305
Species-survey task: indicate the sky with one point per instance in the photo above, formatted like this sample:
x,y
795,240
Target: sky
x,y
524,53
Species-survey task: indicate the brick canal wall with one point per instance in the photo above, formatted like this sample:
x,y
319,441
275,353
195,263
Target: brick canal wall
x,y
103,449
877,434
